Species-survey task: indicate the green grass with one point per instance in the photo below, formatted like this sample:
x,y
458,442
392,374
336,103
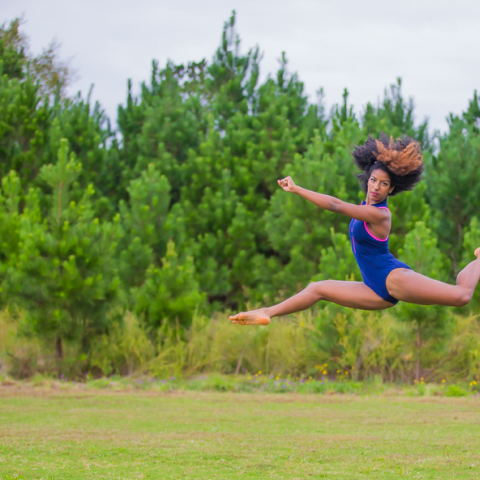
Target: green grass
x,y
70,433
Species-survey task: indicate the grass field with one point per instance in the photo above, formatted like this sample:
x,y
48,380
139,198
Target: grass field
x,y
69,434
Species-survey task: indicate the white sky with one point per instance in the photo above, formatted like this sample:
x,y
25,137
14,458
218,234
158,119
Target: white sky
x,y
434,45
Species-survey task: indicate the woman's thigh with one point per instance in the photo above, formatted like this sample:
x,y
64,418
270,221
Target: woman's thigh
x,y
351,294
409,286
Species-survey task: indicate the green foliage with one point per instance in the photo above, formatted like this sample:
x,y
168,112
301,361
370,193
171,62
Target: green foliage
x,y
179,210
407,209
395,117
471,242
463,356
146,225
12,50
337,261
19,356
9,225
24,124
232,77
421,253
65,273
87,131
373,343
456,391
51,74
170,123
454,182
158,282
170,293
298,230
123,350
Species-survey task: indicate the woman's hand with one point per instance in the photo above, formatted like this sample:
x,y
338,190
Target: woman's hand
x,y
287,184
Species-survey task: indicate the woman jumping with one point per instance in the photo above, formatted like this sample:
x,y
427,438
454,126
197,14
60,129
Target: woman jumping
x,y
389,167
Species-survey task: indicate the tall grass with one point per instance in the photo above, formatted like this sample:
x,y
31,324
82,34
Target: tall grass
x,y
124,350
20,356
332,342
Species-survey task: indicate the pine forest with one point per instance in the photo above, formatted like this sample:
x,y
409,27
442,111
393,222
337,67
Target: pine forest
x,y
125,243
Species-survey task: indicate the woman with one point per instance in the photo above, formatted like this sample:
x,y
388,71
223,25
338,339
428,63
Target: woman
x,y
389,167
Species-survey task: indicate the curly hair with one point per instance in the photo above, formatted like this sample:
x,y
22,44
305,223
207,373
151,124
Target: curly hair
x,y
401,159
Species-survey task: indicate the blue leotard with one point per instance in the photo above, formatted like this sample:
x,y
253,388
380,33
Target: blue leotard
x,y
373,257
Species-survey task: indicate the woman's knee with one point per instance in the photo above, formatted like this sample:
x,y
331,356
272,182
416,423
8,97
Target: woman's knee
x,y
317,288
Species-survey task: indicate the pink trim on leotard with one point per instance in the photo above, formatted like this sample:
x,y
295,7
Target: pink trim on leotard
x,y
373,236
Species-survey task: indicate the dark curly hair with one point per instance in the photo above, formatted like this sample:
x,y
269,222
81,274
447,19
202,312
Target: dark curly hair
x,y
401,159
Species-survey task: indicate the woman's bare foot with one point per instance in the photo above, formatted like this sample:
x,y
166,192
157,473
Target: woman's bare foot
x,y
254,317
477,252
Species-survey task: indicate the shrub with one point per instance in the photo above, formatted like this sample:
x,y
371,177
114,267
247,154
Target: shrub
x,y
456,391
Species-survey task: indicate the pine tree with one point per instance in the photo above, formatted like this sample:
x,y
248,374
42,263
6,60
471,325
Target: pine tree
x,y
24,124
407,209
394,116
170,293
47,71
10,198
65,274
147,226
87,130
454,182
12,50
338,261
298,230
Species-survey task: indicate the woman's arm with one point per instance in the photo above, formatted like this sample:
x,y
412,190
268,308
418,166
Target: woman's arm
x,y
365,213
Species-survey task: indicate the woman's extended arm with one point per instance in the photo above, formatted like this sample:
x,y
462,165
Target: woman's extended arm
x,y
364,213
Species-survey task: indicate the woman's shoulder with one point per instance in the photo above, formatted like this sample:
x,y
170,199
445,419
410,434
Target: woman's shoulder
x,y
382,204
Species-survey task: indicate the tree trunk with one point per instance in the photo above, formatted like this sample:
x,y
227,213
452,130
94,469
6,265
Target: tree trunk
x,y
419,346
59,348
240,358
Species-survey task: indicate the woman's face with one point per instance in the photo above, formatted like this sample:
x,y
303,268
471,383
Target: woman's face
x,y
379,186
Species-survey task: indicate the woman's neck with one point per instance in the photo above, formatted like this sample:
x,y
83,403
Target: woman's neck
x,y
374,203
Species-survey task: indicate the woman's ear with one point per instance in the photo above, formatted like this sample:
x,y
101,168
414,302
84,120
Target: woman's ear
x,y
391,190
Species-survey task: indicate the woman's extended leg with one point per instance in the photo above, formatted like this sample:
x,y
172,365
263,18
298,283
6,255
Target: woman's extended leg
x,y
348,294
412,287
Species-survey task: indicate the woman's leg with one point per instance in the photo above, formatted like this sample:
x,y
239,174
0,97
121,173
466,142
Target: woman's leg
x,y
348,294
412,287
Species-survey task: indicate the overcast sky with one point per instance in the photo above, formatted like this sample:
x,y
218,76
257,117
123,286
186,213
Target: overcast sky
x,y
434,45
